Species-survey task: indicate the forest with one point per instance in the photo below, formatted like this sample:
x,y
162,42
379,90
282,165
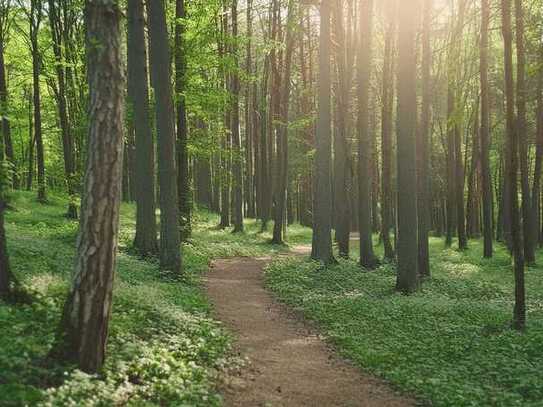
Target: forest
x,y
271,203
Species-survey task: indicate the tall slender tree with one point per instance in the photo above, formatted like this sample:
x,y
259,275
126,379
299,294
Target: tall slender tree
x,y
5,125
386,130
85,322
423,142
529,244
407,246
342,162
170,250
35,16
145,241
367,255
282,130
237,172
519,314
183,176
6,277
322,201
56,22
485,130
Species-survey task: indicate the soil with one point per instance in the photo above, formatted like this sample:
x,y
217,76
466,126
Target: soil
x,y
289,364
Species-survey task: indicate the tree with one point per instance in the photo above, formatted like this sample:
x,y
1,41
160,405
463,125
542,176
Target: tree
x,y
5,126
367,256
170,254
57,23
485,130
407,246
6,278
529,244
237,185
423,142
145,241
386,131
85,321
322,200
342,161
185,193
34,19
519,315
282,130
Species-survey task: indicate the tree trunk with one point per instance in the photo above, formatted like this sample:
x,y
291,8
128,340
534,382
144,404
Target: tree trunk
x,y
407,246
183,176
422,144
31,140
367,256
485,131
519,314
342,162
145,241
170,251
35,18
56,24
5,126
322,201
237,172
85,321
282,132
386,134
529,243
536,189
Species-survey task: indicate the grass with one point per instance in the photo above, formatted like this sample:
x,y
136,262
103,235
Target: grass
x,y
450,344
164,349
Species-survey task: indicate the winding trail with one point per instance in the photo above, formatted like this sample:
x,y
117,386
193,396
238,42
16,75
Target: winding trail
x,y
289,364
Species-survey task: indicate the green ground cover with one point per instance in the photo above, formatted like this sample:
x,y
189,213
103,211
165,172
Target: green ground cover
x,y
164,348
450,345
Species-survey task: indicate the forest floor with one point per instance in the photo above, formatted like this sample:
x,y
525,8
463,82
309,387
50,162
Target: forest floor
x,y
163,348
451,344
289,364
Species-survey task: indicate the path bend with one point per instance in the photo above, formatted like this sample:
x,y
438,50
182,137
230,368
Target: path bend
x,y
289,364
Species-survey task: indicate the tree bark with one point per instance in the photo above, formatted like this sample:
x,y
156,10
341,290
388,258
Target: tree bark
x,y
367,256
386,134
422,144
485,131
183,176
170,250
519,314
237,162
342,161
145,241
322,201
85,321
282,132
529,243
56,24
34,22
407,246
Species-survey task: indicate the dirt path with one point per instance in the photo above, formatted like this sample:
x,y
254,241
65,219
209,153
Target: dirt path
x,y
289,365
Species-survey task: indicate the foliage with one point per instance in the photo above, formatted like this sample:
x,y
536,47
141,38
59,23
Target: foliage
x,y
451,343
163,349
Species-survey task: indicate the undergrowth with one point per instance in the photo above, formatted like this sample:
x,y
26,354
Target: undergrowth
x,y
164,349
450,344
